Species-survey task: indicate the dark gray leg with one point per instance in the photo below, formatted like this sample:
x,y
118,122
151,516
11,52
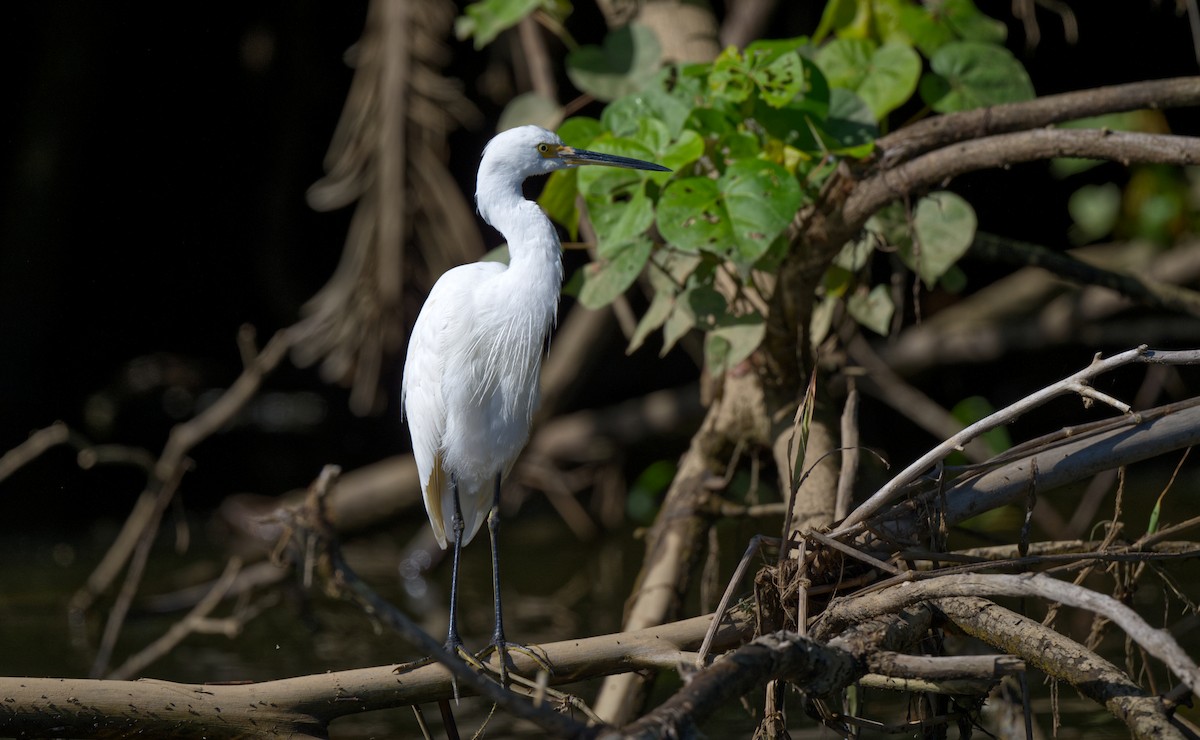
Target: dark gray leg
x,y
453,641
494,533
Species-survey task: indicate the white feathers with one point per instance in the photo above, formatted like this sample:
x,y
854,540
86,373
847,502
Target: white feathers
x,y
474,357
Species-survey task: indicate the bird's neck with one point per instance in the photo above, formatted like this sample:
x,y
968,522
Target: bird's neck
x,y
533,245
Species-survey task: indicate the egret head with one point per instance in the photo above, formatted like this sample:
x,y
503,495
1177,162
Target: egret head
x,y
527,151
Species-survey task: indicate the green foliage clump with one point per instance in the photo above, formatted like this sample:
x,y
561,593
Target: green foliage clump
x,y
752,137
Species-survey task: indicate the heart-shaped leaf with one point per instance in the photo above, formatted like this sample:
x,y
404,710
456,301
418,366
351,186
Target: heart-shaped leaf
x,y
970,74
944,227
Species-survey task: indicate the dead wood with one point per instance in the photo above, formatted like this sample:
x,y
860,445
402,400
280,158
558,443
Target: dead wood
x,y
1064,659
53,707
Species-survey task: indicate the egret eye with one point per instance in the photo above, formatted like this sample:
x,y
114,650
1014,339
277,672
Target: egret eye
x,y
545,149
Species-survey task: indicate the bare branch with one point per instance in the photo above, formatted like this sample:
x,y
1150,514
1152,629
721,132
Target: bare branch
x,y
1062,658
939,131
1007,149
1005,416
1159,643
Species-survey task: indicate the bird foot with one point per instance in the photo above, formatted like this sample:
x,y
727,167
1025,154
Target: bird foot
x,y
502,647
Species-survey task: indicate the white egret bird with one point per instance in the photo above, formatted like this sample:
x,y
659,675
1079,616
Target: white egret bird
x,y
474,356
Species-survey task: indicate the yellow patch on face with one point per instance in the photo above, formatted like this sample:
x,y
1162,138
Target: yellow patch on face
x,y
552,151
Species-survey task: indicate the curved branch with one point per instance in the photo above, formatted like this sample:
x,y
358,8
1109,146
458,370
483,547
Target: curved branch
x,y
939,131
1007,149
1156,642
1062,658
1071,384
38,707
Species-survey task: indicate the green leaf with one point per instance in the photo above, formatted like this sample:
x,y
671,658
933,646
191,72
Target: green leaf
x,y
885,77
685,150
624,116
968,22
944,227
838,15
939,22
737,216
762,199
734,339
532,108
765,51
851,124
656,315
486,19
781,80
624,64
891,79
845,61
970,74
1094,209
730,78
604,280
558,200
873,309
619,209
691,215
580,131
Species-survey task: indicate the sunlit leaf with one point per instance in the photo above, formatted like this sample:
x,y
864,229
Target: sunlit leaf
x,y
781,80
692,216
936,23
762,199
944,227
730,78
604,280
873,309
885,77
580,131
624,115
486,19
733,339
619,209
737,216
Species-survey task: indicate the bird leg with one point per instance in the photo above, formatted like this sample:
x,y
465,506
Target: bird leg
x,y
453,640
499,644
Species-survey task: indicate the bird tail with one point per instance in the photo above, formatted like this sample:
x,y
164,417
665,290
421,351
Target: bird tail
x,y
434,489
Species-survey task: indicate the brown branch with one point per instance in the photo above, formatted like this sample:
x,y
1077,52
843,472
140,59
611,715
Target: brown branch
x,y
1062,658
940,131
818,669
133,543
305,705
1003,150
1159,643
1078,456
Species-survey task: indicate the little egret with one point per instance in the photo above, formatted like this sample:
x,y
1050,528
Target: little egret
x,y
474,356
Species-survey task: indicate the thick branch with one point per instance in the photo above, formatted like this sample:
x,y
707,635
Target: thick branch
x,y
942,130
53,707
1007,149
1125,442
1064,659
1158,643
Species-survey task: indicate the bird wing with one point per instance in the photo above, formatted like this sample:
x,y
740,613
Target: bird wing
x,y
421,394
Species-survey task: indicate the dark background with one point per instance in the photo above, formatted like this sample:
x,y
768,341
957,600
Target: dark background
x,y
154,159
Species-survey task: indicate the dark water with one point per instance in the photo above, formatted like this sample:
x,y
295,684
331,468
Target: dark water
x,y
556,587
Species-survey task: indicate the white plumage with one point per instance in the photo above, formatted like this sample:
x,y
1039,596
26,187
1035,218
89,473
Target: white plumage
x,y
474,356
